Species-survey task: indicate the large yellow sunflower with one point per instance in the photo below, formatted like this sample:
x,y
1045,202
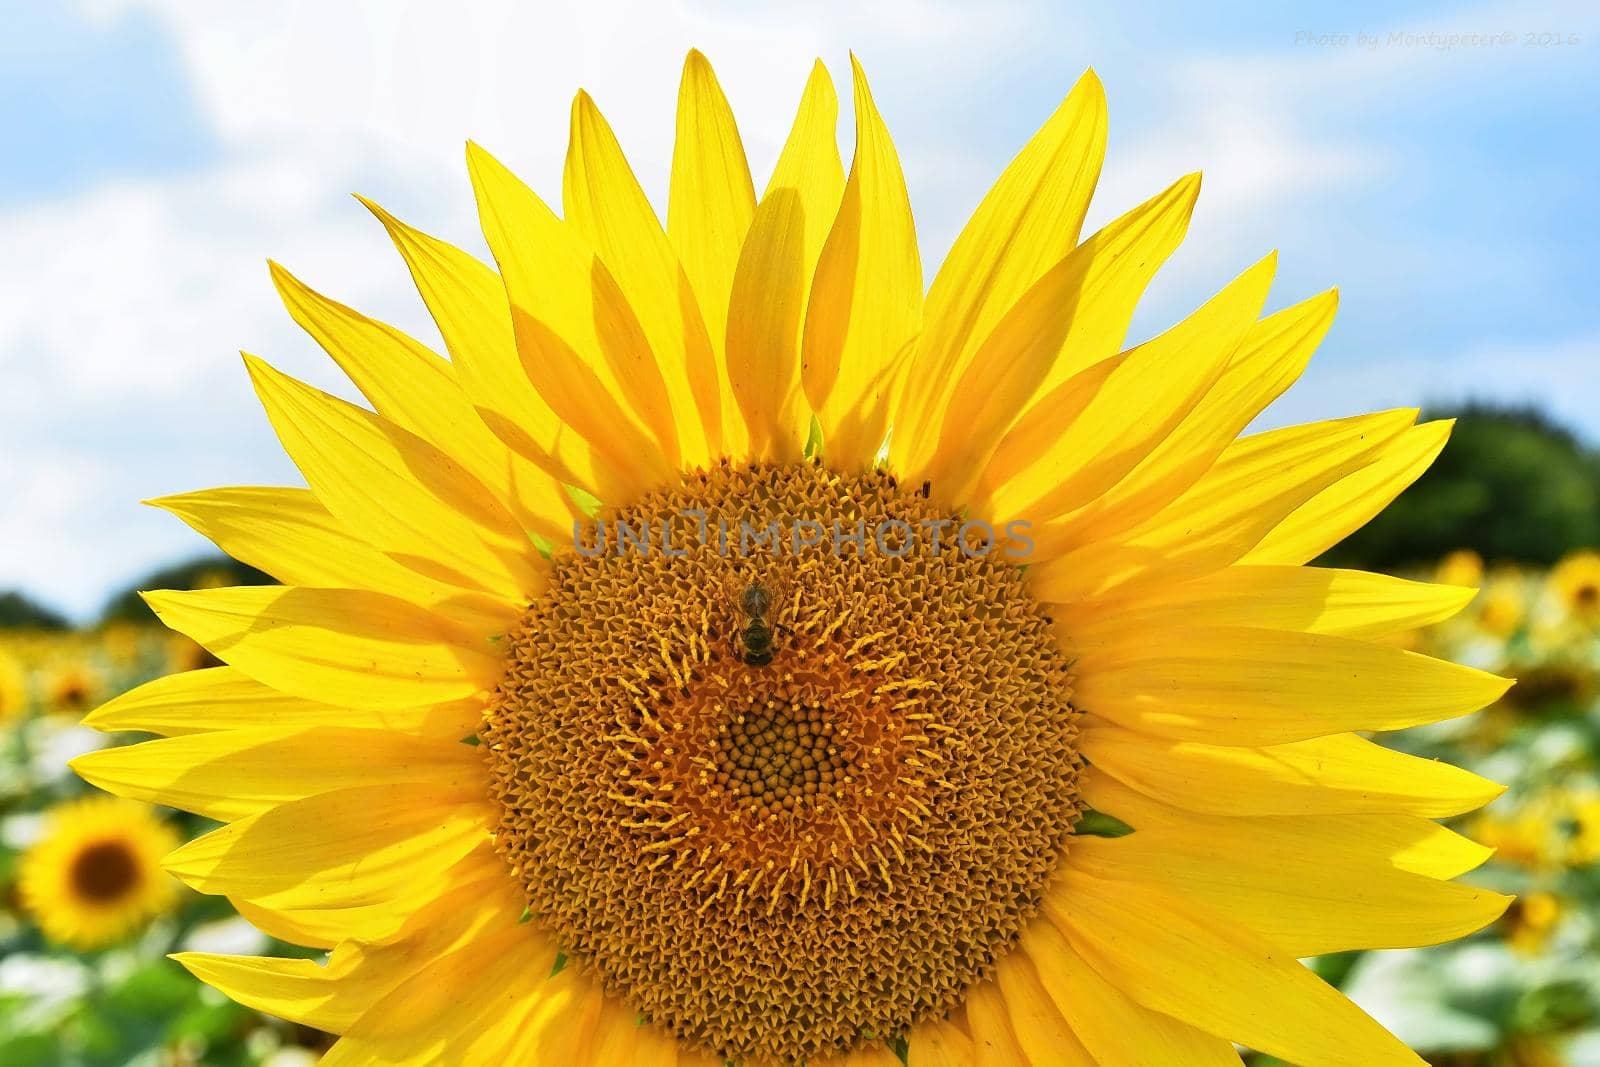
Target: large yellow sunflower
x,y
95,876
568,754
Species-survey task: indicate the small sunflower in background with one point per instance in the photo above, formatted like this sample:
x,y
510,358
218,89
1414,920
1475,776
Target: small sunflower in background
x,y
95,876
830,802
13,688
1575,581
1461,567
72,687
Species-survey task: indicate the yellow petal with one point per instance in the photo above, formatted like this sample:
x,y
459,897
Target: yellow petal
x,y
579,342
468,1007
341,646
361,845
333,995
1351,502
772,283
296,918
287,534
1234,685
1315,600
1273,354
866,299
468,303
1143,399
1076,315
1115,1030
1179,959
939,1043
1026,224
564,1024
1309,884
1041,1029
229,774
708,214
301,991
1256,482
417,391
994,1039
1342,774
602,198
224,698
397,492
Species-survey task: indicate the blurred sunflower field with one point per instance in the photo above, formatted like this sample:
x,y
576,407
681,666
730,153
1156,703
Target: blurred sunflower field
x,y
88,918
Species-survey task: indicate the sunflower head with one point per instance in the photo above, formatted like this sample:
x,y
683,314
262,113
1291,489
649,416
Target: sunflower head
x,y
797,614
73,687
13,687
95,876
1575,580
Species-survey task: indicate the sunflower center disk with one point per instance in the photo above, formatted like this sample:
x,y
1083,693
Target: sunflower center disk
x,y
104,872
778,822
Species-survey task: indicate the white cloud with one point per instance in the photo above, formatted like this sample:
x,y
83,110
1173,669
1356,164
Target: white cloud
x,y
121,307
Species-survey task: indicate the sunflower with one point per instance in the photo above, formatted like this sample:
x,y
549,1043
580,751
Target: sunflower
x,y
1575,580
13,687
797,621
95,876
73,686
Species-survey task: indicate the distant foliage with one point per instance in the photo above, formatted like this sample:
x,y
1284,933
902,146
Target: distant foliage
x,y
18,612
1510,485
208,572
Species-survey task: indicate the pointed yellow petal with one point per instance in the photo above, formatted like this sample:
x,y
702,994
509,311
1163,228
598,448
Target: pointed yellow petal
x,y
1027,224
994,1038
234,773
1178,959
1341,774
1039,1026
468,303
1258,480
332,996
1035,433
342,646
417,391
469,1007
1312,599
397,492
708,215
1272,355
772,283
1344,892
224,698
1076,315
602,198
579,342
1234,685
295,918
301,991
1116,1031
350,847
866,299
1351,502
287,534
1142,400
566,1026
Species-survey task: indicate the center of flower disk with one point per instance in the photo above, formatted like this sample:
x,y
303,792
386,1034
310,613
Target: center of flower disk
x,y
104,872
783,796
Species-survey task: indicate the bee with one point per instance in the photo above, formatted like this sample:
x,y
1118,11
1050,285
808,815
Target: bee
x,y
754,602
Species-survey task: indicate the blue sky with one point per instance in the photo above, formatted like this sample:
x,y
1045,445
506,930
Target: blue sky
x,y
157,153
